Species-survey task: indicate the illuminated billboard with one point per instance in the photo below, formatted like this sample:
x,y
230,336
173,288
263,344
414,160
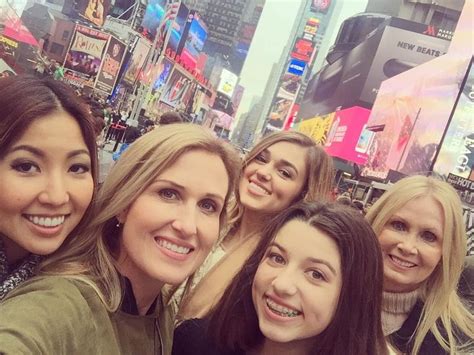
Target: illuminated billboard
x,y
177,28
110,65
178,90
137,60
84,56
343,137
94,11
320,5
317,127
154,13
456,155
227,83
193,40
410,115
302,50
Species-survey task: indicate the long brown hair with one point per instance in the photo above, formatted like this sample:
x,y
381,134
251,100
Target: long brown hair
x,y
356,324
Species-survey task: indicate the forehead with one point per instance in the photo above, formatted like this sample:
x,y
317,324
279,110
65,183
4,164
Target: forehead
x,y
292,152
424,211
303,241
200,170
59,127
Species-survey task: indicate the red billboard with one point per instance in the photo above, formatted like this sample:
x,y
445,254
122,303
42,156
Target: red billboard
x,y
303,49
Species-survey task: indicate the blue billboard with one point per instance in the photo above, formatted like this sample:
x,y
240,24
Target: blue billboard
x,y
296,67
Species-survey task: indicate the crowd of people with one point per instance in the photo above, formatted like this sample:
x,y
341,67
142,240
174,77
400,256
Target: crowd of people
x,y
186,248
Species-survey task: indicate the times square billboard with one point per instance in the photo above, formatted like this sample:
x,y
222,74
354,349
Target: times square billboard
x,y
354,79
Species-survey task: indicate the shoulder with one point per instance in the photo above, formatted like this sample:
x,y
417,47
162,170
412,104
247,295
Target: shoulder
x,y
48,313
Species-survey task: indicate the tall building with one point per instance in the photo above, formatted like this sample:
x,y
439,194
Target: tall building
x,y
314,18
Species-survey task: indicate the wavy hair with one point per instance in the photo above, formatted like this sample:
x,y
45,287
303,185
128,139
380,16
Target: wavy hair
x,y
356,324
442,305
90,256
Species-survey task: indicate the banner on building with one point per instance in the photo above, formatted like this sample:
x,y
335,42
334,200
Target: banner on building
x,y
94,11
84,56
110,65
177,91
137,60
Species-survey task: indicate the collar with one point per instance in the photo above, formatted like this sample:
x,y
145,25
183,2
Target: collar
x,y
129,303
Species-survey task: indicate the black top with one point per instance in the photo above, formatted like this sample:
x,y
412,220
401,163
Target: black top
x,y
192,338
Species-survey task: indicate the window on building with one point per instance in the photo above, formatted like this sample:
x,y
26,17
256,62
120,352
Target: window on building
x,y
56,48
65,35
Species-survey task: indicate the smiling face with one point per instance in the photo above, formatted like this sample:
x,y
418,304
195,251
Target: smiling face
x,y
170,228
274,178
411,243
297,285
45,185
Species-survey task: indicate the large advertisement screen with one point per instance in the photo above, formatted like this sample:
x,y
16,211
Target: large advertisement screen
x,y
343,137
283,100
94,11
410,115
177,91
137,60
154,13
194,42
110,65
177,28
317,127
227,83
84,57
455,160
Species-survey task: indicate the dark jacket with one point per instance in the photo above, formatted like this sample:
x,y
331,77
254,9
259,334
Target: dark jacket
x,y
191,338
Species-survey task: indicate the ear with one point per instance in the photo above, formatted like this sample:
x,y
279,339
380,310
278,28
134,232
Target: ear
x,y
122,216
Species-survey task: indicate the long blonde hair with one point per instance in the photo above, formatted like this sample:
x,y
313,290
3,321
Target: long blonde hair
x,y
90,256
439,291
319,176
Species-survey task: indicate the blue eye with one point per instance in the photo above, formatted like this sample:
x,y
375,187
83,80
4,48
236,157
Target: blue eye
x,y
26,167
208,205
398,225
168,194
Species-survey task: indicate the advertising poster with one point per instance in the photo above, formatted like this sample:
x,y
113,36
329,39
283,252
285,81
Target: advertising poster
x,y
178,27
154,13
410,115
110,66
303,50
227,83
317,127
283,101
194,40
175,92
84,57
94,11
161,75
456,155
137,61
343,137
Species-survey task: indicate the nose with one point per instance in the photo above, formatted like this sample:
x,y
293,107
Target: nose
x,y
264,172
408,244
284,283
185,221
55,191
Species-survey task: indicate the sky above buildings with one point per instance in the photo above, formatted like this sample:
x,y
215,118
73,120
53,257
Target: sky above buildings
x,y
273,33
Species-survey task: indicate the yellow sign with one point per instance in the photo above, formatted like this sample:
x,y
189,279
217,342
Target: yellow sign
x,y
317,127
8,41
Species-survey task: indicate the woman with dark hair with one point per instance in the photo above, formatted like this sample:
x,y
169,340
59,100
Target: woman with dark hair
x,y
48,170
313,285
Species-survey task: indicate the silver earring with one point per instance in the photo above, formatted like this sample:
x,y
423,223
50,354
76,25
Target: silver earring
x,y
117,225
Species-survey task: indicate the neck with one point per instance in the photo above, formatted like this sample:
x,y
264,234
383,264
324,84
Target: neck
x,y
14,253
269,347
145,289
250,224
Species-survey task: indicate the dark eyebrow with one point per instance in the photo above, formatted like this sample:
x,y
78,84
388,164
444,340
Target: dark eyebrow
x,y
40,154
313,260
281,161
181,187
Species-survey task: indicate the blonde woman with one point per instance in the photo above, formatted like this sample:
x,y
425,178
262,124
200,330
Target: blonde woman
x,y
157,216
282,169
422,235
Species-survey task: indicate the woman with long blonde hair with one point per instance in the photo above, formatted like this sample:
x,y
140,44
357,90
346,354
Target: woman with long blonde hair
x,y
281,170
157,216
422,235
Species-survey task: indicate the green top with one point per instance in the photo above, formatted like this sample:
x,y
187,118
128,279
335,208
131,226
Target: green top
x,y
57,315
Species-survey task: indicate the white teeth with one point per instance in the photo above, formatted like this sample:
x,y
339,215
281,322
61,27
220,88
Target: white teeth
x,y
173,247
46,221
283,311
401,262
257,188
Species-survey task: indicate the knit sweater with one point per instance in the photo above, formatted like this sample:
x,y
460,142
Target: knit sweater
x,y
395,309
